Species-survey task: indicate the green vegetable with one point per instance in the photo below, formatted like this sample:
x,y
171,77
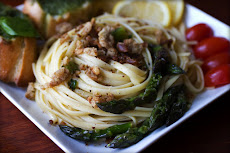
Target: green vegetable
x,y
15,26
174,69
161,65
6,10
161,58
14,23
72,84
161,61
178,108
5,35
72,67
59,7
156,119
93,135
126,139
120,34
122,105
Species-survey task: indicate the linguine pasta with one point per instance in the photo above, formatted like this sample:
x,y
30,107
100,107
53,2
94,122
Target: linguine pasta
x,y
122,80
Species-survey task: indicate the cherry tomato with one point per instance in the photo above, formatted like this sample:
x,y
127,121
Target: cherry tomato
x,y
211,46
216,60
218,76
199,32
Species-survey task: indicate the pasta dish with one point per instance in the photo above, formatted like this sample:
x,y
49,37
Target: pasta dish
x,y
109,60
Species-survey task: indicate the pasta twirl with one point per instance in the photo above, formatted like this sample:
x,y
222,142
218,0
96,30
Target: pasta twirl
x,y
121,80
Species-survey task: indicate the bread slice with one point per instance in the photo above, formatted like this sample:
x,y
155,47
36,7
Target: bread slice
x,y
16,58
49,25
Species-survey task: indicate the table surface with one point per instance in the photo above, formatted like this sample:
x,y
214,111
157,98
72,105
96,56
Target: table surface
x,y
208,131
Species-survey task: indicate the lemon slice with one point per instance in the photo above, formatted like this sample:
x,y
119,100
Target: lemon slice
x,y
177,10
155,11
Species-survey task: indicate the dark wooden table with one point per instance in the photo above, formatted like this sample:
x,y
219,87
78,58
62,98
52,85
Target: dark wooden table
x,y
206,132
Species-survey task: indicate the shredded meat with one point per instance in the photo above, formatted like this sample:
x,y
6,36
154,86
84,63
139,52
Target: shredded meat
x,y
134,47
112,53
93,73
65,60
93,41
102,55
99,42
105,37
87,28
95,70
106,41
58,77
97,98
92,51
30,93
135,59
82,43
122,47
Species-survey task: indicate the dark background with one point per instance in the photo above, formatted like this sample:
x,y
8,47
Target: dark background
x,y
208,131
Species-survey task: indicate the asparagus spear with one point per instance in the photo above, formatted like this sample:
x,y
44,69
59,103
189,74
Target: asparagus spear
x,y
178,108
122,105
174,69
161,65
156,119
161,61
93,135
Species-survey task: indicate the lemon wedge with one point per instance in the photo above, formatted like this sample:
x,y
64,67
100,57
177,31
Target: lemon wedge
x,y
177,10
155,11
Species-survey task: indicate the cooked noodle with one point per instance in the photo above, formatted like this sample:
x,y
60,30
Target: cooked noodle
x,y
122,80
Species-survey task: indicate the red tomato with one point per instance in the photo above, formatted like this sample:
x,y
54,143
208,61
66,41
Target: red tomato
x,y
218,76
211,46
216,60
199,32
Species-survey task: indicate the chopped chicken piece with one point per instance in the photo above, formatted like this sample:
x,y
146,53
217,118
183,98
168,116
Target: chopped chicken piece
x,y
87,28
111,52
105,37
93,73
65,60
92,51
134,47
96,70
58,77
97,98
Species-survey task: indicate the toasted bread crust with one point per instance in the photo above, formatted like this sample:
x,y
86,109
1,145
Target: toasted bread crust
x,y
34,11
9,53
16,58
25,72
47,24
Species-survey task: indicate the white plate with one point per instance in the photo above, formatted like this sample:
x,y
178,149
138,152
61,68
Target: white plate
x,y
67,144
